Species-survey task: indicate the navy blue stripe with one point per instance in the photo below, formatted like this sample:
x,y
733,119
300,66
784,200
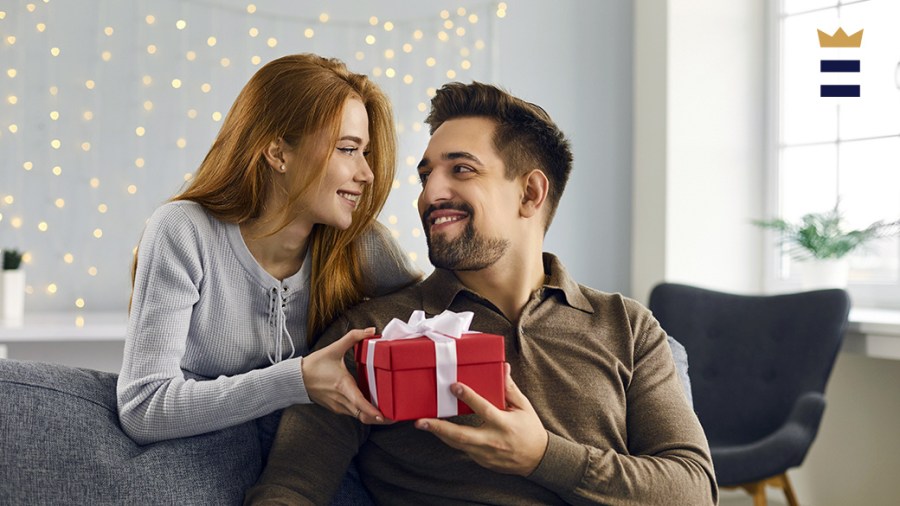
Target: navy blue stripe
x,y
839,90
839,66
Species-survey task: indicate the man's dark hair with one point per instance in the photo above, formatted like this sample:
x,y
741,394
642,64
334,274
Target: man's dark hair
x,y
525,137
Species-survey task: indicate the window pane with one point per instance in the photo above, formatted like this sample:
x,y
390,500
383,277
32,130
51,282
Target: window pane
x,y
808,180
877,111
869,188
805,117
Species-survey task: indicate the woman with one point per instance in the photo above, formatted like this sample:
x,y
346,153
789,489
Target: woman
x,y
274,237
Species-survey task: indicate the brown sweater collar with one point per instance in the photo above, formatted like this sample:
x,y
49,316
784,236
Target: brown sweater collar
x,y
441,288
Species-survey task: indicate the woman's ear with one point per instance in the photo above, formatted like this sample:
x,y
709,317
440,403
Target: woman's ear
x,y
534,193
275,155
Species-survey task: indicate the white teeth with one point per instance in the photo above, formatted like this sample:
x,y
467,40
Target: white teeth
x,y
445,219
349,196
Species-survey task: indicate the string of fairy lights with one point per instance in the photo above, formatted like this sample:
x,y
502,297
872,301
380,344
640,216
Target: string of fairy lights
x,y
107,108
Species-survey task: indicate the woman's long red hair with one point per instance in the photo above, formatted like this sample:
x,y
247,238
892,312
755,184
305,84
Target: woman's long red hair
x,y
299,99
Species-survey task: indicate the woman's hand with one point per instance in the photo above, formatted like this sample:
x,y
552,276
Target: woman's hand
x,y
329,384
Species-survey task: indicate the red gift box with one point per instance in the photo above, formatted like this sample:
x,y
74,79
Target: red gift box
x,y
405,373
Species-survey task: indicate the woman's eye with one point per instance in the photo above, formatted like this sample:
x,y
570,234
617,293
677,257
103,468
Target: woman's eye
x,y
348,151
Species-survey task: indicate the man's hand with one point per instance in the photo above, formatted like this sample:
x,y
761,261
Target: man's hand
x,y
329,384
510,442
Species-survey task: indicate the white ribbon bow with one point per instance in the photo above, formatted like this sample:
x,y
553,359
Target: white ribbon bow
x,y
443,329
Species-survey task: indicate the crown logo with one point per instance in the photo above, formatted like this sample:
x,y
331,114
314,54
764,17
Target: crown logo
x,y
840,39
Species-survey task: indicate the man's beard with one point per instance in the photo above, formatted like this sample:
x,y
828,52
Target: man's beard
x,y
470,251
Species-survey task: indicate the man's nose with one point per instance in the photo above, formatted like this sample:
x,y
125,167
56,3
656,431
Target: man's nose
x,y
437,188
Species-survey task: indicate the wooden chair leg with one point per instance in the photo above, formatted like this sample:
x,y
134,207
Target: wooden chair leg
x,y
788,490
757,490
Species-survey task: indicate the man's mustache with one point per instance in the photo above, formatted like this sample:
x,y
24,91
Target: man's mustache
x,y
457,206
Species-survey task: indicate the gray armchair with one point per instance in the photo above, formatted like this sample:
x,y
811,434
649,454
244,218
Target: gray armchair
x,y
759,365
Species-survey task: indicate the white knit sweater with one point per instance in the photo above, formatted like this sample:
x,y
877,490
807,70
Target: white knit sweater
x,y
213,339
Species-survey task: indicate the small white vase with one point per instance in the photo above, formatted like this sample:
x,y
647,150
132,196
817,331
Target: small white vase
x,y
819,274
12,295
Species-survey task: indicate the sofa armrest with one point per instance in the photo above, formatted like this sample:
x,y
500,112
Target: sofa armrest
x,y
61,443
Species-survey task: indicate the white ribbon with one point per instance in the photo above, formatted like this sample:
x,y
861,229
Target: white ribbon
x,y
443,329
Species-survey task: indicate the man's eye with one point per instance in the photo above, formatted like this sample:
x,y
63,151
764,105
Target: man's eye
x,y
463,169
423,177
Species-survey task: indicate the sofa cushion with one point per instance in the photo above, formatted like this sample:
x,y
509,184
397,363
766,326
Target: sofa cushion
x,y
61,443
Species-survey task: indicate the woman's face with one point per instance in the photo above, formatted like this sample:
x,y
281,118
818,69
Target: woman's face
x,y
347,174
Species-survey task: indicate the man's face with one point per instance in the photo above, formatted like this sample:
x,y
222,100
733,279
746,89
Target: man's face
x,y
468,207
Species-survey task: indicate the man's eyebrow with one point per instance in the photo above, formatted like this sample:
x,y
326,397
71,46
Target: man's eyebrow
x,y
455,155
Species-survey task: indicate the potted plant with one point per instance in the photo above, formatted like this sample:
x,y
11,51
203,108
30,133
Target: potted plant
x,y
820,244
12,288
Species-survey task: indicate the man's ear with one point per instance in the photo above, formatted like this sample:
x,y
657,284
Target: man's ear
x,y
534,193
274,154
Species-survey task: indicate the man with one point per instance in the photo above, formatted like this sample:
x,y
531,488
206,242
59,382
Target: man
x,y
595,411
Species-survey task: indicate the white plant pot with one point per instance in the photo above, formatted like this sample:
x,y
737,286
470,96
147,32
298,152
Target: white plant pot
x,y
12,295
819,274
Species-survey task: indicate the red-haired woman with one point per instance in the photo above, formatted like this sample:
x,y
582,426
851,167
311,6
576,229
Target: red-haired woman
x,y
273,238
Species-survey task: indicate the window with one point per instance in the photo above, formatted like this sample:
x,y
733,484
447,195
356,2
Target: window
x,y
845,148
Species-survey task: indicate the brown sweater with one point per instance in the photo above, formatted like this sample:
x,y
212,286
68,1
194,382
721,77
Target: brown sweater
x,y
595,366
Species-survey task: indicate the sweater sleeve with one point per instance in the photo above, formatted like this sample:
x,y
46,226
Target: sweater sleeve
x,y
158,400
326,441
668,460
386,267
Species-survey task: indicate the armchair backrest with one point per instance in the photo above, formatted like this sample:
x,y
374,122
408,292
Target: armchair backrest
x,y
752,356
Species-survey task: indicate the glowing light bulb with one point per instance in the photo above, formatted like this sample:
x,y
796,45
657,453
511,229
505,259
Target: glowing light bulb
x,y
430,61
389,53
451,74
98,233
443,37
54,90
191,56
407,48
108,31
211,41
390,72
272,42
360,56
106,55
217,116
13,128
51,288
395,184
79,321
323,18
473,18
180,24
416,232
421,107
41,27
408,79
181,142
225,62
57,171
192,113
151,49
140,131
176,83
392,219
460,31
418,34
11,73
445,14
27,165
42,226
205,87
68,258
255,60
370,39
102,208
85,146
148,105
388,26
251,8
12,99
55,144
139,162
95,183
373,21
87,115
309,33
92,271
53,51
9,199
150,19
254,31
79,303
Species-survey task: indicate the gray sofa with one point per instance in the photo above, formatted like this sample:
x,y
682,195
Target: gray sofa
x,y
61,443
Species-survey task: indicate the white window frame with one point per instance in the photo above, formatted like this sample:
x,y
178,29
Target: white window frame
x,y
885,296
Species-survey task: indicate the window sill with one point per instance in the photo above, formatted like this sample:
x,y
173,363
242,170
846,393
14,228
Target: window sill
x,y
874,333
